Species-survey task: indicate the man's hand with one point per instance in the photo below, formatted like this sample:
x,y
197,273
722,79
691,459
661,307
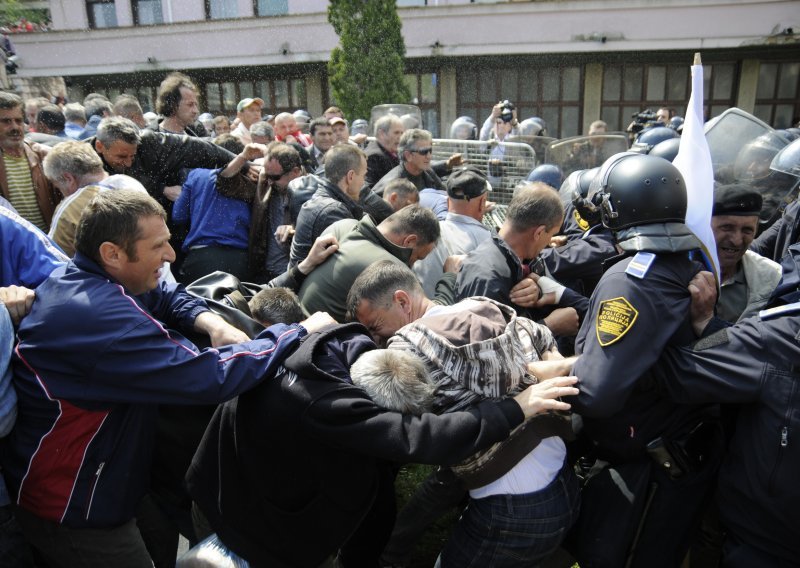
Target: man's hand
x,y
542,396
322,248
358,138
545,370
703,289
172,192
220,331
526,292
289,139
18,301
254,150
558,241
488,206
453,263
284,232
496,110
563,322
317,321
454,161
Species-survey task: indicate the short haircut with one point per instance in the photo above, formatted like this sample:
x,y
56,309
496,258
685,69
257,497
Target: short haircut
x,y
283,117
410,139
378,283
74,112
93,96
333,110
230,143
219,118
402,187
10,101
396,380
116,128
97,107
384,123
113,216
262,128
74,157
598,124
51,117
169,93
341,159
417,220
534,204
127,106
287,157
276,305
316,123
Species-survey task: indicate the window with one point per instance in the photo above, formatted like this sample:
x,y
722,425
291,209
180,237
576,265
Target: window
x,y
552,93
778,94
279,95
147,12
629,89
424,88
101,13
271,7
221,9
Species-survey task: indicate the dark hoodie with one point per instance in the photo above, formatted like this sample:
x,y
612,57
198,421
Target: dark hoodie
x,y
286,473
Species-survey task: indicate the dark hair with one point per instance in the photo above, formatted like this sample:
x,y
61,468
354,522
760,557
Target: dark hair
x,y
127,106
51,117
169,93
10,101
534,204
341,159
416,220
230,142
286,156
378,283
401,186
316,123
113,216
276,305
97,107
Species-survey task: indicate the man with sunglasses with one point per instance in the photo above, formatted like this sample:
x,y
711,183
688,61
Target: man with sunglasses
x,y
416,148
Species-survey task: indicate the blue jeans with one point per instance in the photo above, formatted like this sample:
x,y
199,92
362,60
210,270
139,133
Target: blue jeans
x,y
514,530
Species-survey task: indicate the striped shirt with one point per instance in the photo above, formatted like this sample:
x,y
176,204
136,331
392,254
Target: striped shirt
x,y
20,190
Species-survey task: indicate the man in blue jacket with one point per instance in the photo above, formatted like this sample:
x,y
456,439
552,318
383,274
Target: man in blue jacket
x,y
96,356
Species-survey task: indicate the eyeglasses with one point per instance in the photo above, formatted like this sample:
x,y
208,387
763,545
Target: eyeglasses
x,y
276,177
423,152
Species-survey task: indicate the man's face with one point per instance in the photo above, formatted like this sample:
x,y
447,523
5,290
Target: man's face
x,y
419,158
357,182
140,274
119,155
733,234
420,251
323,138
382,323
12,128
250,114
31,110
222,126
285,126
397,202
502,128
537,245
280,178
662,115
188,110
391,139
340,133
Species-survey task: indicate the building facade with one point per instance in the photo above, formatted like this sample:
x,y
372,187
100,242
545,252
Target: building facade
x,y
567,61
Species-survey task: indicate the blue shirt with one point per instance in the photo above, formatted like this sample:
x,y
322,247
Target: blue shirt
x,y
215,220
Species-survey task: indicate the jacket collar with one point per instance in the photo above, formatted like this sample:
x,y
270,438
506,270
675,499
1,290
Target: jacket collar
x,y
367,229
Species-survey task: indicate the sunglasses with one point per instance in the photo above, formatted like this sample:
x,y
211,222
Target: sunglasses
x,y
423,152
276,177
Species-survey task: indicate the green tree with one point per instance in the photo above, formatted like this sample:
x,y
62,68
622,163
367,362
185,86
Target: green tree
x,y
366,68
12,10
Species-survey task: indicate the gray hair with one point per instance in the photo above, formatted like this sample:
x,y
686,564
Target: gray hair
x,y
341,159
116,128
410,138
416,220
378,283
74,112
127,106
262,128
384,123
534,204
97,106
396,380
73,157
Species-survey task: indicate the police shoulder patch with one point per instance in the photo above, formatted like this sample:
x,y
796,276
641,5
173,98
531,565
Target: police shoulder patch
x,y
614,319
640,264
582,223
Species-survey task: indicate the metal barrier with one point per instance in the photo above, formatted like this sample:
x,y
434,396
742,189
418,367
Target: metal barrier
x,y
505,163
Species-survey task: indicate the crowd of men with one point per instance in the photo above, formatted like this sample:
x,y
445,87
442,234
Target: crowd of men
x,y
240,332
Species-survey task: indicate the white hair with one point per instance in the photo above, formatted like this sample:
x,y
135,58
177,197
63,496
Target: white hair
x,y
396,380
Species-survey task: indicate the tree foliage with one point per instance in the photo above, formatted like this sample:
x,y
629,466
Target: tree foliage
x,y
367,67
12,10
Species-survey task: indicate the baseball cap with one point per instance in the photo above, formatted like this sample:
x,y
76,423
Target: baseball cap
x,y
244,103
466,182
337,120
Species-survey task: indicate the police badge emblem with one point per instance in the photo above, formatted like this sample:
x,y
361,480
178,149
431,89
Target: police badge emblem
x,y
614,319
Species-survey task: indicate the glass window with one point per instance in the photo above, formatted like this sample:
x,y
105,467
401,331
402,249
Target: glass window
x,y
281,94
467,87
411,83
611,116
612,77
147,12
767,77
213,99
427,88
299,93
632,88
572,84
245,91
487,86
777,101
723,81
783,116
656,81
272,7
508,84
550,84
146,98
220,9
569,122
678,83
529,86
229,98
401,3
101,13
264,93
764,112
787,86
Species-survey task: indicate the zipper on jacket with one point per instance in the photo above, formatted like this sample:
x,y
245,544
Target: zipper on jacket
x,y
94,487
783,443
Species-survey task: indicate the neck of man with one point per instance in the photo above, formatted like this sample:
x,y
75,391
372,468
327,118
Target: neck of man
x,y
515,241
15,150
346,190
171,124
728,271
412,169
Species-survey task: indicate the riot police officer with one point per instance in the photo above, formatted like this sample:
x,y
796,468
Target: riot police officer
x,y
660,457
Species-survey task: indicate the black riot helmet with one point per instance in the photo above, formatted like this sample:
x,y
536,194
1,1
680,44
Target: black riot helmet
x,y
638,190
668,149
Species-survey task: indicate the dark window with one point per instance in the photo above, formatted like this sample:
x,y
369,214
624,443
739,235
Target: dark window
x,y
221,9
424,88
147,12
778,94
271,7
101,13
279,95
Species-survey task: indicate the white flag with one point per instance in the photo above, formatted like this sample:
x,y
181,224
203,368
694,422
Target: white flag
x,y
694,162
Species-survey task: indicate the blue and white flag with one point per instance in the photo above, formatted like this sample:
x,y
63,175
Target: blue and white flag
x,y
694,162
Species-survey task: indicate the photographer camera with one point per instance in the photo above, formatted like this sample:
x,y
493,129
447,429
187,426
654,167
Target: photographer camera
x,y
503,112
